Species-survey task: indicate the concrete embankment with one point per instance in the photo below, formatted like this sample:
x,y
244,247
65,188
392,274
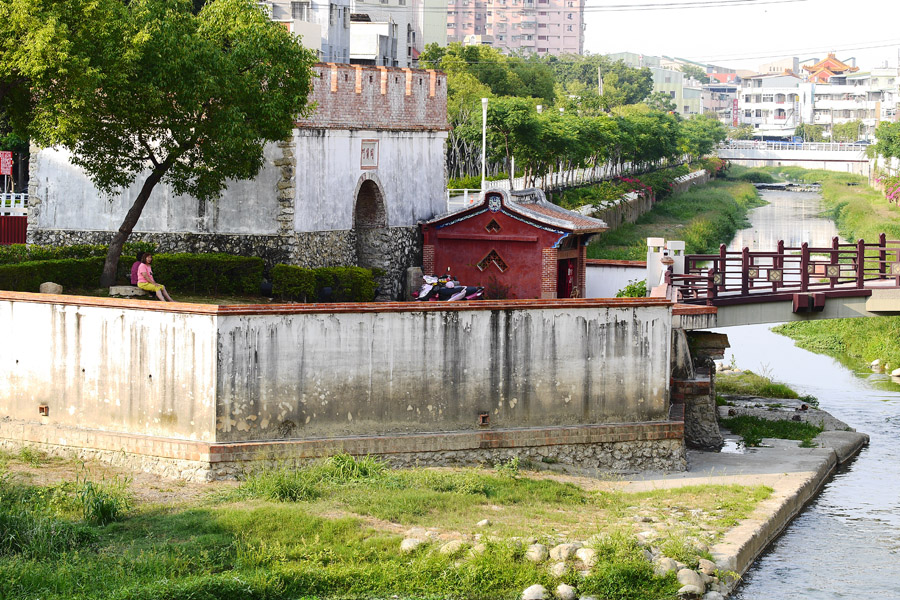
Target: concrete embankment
x,y
796,475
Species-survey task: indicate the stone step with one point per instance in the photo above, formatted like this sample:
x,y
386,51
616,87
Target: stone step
x,y
126,291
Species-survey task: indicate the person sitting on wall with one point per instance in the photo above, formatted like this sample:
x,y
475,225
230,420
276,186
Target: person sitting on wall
x,y
134,268
146,282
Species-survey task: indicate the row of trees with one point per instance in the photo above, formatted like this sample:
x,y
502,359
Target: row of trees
x,y
579,127
177,91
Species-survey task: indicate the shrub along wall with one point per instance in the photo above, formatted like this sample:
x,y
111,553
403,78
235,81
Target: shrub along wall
x,y
329,284
190,273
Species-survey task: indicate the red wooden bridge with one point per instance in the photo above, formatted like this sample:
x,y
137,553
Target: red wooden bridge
x,y
804,275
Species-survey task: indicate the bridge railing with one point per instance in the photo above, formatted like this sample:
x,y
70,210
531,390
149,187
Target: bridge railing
x,y
816,146
730,276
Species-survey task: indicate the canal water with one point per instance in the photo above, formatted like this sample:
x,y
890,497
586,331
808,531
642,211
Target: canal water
x,y
846,544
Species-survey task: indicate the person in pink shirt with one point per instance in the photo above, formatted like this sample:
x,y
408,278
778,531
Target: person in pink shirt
x,y
134,268
145,279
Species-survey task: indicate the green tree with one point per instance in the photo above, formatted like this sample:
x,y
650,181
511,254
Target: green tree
x,y
512,125
51,61
192,102
744,132
810,133
848,132
696,72
661,101
888,136
700,134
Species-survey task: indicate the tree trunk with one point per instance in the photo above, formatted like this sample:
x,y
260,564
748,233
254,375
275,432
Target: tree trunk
x,y
108,277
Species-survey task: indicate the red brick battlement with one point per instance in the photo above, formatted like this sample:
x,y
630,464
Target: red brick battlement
x,y
379,98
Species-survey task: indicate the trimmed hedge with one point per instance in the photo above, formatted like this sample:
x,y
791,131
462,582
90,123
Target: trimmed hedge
x,y
19,253
209,273
189,273
69,273
346,284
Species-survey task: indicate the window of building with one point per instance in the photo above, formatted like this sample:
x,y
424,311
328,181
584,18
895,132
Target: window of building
x,y
758,113
332,14
570,16
300,11
768,98
671,94
748,113
542,37
569,28
542,13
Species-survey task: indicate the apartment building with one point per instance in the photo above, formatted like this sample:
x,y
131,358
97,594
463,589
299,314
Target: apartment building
x,y
390,25
869,97
323,27
775,104
541,27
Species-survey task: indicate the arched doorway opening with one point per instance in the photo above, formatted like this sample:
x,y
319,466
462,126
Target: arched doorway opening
x,y
370,225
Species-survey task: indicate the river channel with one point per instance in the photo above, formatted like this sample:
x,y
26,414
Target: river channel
x,y
846,543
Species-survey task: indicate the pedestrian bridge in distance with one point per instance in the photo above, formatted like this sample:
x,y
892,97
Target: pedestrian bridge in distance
x,y
845,158
787,284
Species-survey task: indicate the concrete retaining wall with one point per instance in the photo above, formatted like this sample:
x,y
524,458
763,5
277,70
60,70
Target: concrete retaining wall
x,y
323,377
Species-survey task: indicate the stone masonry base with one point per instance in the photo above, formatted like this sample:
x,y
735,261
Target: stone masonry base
x,y
615,448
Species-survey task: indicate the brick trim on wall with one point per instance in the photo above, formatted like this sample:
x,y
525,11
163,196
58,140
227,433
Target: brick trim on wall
x,y
549,268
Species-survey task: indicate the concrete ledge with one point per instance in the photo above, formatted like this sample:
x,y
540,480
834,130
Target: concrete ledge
x,y
126,291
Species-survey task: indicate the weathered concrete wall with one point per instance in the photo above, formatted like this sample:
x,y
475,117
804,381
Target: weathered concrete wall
x,y
410,175
199,391
355,373
606,277
63,197
108,367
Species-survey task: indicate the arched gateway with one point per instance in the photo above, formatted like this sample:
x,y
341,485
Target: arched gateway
x,y
370,225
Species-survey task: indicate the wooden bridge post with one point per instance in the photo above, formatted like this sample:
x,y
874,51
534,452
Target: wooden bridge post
x,y
745,268
882,255
779,264
861,264
722,253
835,245
804,267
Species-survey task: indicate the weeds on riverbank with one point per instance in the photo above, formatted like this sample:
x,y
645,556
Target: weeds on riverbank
x,y
754,429
265,541
704,217
748,383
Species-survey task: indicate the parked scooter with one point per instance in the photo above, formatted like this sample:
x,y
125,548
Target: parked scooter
x,y
446,289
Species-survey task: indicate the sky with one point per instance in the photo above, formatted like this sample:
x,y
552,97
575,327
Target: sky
x,y
746,33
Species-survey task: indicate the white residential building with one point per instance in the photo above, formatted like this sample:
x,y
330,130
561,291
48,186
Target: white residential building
x,y
374,43
869,98
406,30
775,104
322,26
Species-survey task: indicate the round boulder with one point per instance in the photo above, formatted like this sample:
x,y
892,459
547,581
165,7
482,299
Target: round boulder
x,y
535,592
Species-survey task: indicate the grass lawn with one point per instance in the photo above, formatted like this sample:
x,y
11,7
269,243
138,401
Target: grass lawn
x,y
333,530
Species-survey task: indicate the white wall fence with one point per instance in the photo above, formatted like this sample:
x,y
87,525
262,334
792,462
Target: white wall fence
x,y
13,205
460,198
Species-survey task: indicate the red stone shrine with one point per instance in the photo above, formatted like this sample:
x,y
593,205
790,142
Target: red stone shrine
x,y
517,245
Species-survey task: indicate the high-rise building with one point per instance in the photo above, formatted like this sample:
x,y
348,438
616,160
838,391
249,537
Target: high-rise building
x,y
519,26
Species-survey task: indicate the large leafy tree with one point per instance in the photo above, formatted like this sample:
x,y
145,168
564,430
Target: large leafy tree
x,y
188,98
696,72
700,134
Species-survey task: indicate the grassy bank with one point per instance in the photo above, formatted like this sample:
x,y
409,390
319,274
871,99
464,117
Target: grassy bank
x,y
754,429
704,217
861,339
334,529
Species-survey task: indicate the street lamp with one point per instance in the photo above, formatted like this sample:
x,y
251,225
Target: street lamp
x,y
484,102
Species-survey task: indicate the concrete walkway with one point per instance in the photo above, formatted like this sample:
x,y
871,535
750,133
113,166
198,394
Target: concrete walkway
x,y
795,475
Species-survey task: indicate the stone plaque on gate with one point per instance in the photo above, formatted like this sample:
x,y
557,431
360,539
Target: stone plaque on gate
x,y
369,155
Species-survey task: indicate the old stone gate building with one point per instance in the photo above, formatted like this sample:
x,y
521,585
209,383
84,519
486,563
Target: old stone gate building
x,y
347,189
